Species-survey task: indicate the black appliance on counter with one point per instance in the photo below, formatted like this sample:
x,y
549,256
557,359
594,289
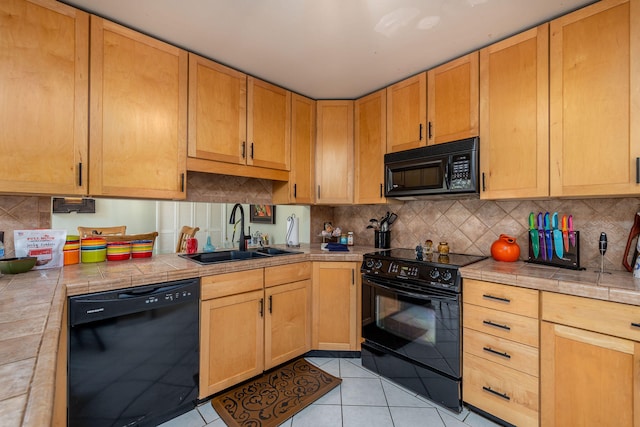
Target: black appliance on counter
x,y
411,321
133,355
449,168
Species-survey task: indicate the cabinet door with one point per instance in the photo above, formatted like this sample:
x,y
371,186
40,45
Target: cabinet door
x,y
231,340
334,152
514,116
287,322
587,378
138,118
335,314
370,147
268,125
407,114
44,64
217,111
452,104
300,187
595,100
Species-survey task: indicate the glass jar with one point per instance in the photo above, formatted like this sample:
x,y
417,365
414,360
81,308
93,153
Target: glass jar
x,y
350,238
428,247
443,248
343,239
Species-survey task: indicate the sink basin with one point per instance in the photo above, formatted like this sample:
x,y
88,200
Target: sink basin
x,y
276,251
235,255
222,256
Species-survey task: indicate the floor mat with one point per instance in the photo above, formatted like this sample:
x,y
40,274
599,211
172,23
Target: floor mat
x,y
275,396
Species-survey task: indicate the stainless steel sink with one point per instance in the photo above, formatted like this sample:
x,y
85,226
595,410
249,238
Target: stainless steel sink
x,y
206,258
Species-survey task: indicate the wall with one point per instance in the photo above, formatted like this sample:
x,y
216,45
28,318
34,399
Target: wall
x,y
472,225
22,213
468,225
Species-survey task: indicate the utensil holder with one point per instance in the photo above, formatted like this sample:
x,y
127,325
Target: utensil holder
x,y
382,239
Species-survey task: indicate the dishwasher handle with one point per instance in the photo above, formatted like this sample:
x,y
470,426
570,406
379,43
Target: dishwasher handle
x,y
111,304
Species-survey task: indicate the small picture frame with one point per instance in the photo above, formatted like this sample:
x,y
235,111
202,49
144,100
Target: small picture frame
x,y
264,214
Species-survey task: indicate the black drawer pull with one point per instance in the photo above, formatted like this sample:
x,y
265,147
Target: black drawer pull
x,y
502,395
497,325
491,297
497,353
635,325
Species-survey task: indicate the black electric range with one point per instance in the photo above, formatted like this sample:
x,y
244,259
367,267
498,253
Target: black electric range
x,y
432,270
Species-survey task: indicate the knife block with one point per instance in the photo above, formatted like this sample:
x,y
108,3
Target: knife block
x,y
570,258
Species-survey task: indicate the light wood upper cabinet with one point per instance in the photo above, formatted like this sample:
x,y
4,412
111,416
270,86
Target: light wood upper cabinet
x,y
595,100
407,114
300,188
334,152
217,111
370,147
44,66
138,127
268,125
514,116
335,296
452,100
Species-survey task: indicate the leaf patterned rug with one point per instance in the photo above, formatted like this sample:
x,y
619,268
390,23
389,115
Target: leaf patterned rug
x,y
275,396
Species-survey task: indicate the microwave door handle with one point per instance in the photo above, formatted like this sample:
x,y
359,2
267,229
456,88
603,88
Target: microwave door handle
x,y
447,178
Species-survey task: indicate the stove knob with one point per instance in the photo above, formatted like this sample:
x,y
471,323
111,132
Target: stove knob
x,y
446,275
369,263
378,264
434,274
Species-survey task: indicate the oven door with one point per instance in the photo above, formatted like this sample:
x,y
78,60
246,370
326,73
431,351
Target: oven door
x,y
422,327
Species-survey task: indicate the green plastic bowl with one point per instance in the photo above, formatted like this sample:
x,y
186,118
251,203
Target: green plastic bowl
x,y
17,265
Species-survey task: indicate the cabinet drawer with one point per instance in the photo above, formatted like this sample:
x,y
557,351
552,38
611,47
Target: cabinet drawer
x,y
499,323
289,273
225,284
506,393
504,352
606,317
501,297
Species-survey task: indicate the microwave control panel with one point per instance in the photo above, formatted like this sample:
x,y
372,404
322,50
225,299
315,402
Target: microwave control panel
x,y
461,173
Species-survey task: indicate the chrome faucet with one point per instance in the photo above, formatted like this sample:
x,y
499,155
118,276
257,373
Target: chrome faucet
x,y
243,240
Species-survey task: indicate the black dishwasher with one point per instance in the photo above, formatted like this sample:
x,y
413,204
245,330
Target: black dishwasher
x,y
133,354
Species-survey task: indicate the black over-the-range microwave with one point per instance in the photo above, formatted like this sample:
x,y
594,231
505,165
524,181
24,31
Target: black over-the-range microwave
x,y
449,168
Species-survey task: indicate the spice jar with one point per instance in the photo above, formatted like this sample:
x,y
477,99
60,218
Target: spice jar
x,y
350,238
428,246
443,248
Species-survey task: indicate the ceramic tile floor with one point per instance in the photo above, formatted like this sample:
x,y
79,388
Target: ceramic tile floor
x,y
363,399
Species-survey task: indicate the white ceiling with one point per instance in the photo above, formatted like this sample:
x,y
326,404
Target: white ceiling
x,y
330,49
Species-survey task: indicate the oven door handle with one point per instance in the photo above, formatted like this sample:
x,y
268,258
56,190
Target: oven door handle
x,y
429,295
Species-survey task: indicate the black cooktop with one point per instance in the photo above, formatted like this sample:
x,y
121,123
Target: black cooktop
x,y
451,260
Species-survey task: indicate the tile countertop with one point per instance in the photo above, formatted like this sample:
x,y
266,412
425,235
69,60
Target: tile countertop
x,y
31,308
617,286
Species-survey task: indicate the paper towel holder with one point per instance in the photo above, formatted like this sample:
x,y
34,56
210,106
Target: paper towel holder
x,y
292,232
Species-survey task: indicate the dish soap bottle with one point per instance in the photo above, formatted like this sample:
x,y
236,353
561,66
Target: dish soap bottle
x,y
208,247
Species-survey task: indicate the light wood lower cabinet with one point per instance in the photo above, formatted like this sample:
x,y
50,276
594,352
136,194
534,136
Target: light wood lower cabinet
x,y
336,307
288,312
231,330
500,351
251,321
590,361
